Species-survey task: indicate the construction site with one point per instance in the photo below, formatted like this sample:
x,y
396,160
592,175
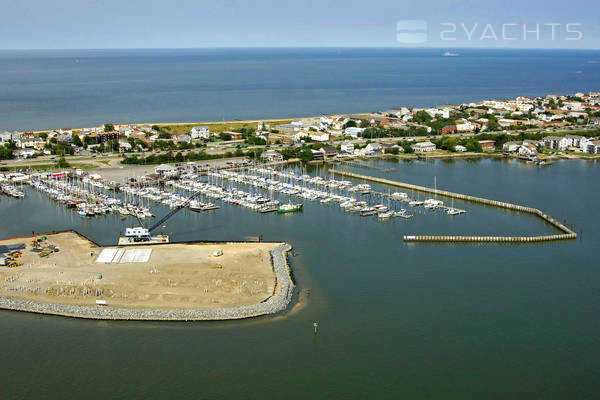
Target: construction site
x,y
68,269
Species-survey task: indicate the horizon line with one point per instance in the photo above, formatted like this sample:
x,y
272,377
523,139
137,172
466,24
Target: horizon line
x,y
304,47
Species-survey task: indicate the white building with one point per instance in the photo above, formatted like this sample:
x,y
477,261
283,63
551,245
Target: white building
x,y
353,131
511,147
528,150
200,132
460,148
437,112
463,125
348,147
423,147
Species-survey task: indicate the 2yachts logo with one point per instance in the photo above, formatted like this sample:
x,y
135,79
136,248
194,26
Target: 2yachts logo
x,y
416,31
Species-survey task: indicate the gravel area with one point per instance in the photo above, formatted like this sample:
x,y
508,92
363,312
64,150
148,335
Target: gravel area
x,y
272,305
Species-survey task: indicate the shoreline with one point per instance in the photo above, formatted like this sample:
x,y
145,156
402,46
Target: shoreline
x,y
273,304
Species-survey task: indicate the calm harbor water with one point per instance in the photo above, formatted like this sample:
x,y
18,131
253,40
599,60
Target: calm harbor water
x,y
396,320
51,89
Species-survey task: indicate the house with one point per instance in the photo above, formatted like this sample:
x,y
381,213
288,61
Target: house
x,y
449,129
314,136
65,138
384,122
124,146
328,152
373,148
274,138
6,137
528,150
200,132
317,155
488,145
511,147
353,131
184,138
25,153
463,125
551,142
460,148
423,147
102,137
569,141
165,170
347,147
31,142
271,156
591,146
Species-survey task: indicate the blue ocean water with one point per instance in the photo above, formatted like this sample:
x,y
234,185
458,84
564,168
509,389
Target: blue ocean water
x,y
49,89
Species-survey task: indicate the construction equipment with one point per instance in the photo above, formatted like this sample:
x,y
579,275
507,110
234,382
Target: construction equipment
x,y
14,259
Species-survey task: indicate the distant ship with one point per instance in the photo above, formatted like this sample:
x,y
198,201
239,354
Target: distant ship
x,y
450,54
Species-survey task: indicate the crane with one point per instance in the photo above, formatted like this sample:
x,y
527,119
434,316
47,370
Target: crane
x,y
172,212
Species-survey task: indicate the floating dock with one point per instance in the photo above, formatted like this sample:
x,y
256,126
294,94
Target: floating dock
x,y
567,234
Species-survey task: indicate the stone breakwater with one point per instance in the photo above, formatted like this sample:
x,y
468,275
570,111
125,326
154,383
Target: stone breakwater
x,y
567,234
274,304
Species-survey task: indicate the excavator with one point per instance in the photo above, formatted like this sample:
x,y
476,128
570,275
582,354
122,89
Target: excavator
x,y
14,259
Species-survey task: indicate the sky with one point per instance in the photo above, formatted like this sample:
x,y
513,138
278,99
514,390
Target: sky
x,y
89,24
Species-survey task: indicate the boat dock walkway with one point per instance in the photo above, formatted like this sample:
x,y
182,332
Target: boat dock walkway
x,y
567,234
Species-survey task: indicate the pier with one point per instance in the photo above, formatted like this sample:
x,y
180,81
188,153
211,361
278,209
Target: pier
x,y
567,234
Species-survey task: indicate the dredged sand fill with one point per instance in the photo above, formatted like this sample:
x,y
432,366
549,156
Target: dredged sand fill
x,y
176,276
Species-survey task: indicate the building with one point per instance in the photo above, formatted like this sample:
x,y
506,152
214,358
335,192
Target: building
x,y
317,155
423,147
373,148
353,131
275,138
165,170
591,146
184,139
103,137
511,147
347,147
200,132
271,156
448,129
328,152
569,141
460,148
528,150
488,145
551,142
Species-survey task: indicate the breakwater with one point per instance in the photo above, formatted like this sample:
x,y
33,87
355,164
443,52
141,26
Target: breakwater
x,y
275,303
567,234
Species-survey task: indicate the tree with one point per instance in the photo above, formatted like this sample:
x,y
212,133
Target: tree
x,y
224,136
422,117
62,163
109,127
350,124
6,151
76,140
44,135
407,148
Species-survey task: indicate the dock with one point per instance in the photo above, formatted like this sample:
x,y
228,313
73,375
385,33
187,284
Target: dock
x,y
567,234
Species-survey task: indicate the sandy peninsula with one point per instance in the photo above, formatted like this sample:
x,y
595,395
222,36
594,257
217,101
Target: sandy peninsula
x,y
177,281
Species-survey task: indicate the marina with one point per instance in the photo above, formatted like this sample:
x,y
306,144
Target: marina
x,y
351,273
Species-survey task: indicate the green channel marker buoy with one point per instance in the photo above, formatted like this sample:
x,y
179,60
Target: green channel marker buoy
x,y
316,326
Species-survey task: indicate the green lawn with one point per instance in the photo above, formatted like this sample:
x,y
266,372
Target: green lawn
x,y
178,129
